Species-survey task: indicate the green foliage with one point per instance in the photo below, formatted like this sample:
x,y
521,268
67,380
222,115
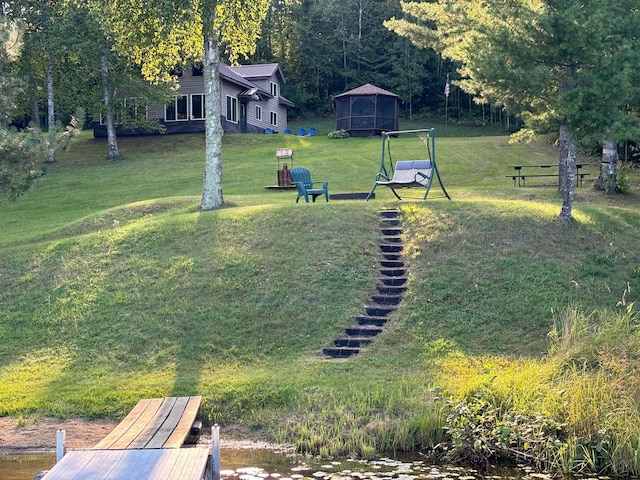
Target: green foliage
x,y
555,62
481,432
19,154
338,134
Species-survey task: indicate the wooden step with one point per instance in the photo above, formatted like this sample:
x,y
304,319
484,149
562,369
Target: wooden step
x,y
391,222
340,352
393,281
391,248
352,341
379,310
363,330
371,320
391,213
391,289
392,239
391,256
386,299
391,263
393,272
391,231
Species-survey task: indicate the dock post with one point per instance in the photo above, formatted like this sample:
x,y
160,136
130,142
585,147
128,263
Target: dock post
x,y
215,452
61,444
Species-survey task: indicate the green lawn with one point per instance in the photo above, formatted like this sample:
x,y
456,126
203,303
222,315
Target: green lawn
x,y
116,287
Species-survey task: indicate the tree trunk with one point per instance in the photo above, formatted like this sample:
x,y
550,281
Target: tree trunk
x,y
567,181
51,119
608,178
212,185
33,100
112,141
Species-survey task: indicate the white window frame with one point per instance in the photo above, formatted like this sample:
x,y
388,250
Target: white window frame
x,y
202,106
258,112
125,102
273,118
178,116
273,88
232,116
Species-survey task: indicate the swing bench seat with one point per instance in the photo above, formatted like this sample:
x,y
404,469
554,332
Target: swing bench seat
x,y
407,174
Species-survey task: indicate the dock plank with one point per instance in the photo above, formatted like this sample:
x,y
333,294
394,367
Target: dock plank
x,y
153,424
124,433
168,425
146,464
183,427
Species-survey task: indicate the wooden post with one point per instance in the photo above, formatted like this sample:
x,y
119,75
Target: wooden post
x,y
61,444
215,452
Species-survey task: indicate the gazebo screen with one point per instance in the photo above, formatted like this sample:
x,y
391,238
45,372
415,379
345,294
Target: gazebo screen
x,y
374,113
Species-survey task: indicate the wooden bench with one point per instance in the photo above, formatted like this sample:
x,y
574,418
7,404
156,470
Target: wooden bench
x,y
154,423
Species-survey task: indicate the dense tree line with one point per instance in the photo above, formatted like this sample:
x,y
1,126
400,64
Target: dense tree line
x,y
326,47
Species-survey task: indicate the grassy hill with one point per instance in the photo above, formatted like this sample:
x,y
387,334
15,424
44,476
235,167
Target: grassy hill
x,y
116,287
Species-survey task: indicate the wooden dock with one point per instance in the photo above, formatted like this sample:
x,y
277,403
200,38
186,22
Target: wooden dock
x,y
146,445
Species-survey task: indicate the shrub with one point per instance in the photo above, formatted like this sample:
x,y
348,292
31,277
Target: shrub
x,y
338,134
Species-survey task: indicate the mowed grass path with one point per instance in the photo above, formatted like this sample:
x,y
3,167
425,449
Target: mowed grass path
x,y
116,287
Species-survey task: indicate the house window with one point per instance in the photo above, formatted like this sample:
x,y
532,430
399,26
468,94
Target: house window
x,y
273,119
131,107
130,110
176,110
197,107
232,109
273,88
258,112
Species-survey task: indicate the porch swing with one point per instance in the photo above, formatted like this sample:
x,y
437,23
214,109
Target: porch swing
x,y
408,173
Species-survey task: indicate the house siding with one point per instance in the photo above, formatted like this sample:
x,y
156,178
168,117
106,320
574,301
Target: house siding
x,y
194,85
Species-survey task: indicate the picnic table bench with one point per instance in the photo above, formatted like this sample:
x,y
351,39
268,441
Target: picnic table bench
x,y
145,446
521,177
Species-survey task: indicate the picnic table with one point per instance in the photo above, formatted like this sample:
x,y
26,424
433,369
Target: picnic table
x,y
521,177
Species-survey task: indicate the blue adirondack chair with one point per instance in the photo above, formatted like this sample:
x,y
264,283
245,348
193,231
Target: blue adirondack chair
x,y
312,131
302,179
301,132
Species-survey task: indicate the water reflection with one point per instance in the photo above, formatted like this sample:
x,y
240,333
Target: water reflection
x,y
266,464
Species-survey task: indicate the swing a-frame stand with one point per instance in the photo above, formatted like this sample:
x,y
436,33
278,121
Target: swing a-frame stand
x,y
408,173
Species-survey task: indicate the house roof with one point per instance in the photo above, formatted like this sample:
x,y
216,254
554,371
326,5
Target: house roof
x,y
228,73
260,71
367,89
244,74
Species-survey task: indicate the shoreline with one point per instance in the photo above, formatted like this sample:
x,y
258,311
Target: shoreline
x,y
37,436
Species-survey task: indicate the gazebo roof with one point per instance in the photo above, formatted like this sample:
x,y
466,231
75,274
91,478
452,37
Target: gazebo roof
x,y
367,89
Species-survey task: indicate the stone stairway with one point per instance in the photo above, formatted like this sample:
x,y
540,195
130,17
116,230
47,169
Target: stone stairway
x,y
390,287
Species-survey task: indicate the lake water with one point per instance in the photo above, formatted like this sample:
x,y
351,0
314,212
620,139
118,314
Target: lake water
x,y
266,464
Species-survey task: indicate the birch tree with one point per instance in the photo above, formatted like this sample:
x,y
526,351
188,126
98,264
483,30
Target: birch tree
x,y
161,35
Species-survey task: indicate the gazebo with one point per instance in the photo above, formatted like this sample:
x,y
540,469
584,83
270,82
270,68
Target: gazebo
x,y
367,110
